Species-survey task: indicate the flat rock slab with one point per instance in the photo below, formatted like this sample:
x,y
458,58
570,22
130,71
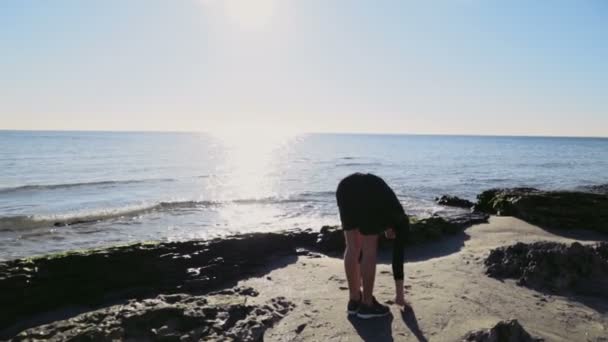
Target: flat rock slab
x,y
222,316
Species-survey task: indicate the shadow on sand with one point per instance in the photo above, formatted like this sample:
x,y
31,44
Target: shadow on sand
x,y
380,329
448,245
581,235
409,318
596,303
373,330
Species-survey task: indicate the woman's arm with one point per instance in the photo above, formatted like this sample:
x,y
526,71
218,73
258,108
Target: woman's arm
x,y
399,221
401,230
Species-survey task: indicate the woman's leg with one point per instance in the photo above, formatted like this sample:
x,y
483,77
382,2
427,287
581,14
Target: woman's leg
x,y
369,247
351,262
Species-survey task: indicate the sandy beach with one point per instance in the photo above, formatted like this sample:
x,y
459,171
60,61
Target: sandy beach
x,y
447,288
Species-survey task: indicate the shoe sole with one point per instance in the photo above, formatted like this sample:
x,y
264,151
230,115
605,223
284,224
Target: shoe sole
x,y
368,316
351,312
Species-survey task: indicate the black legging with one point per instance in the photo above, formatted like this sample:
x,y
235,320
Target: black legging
x,y
401,232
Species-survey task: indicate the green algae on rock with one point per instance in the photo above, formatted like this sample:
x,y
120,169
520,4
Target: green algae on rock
x,y
548,209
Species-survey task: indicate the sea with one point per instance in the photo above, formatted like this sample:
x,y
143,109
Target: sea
x,y
63,191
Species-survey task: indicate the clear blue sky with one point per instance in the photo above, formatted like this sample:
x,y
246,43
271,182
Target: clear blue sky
x,y
451,66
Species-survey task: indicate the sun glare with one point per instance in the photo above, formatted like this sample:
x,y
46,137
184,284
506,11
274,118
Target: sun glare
x,y
247,14
250,154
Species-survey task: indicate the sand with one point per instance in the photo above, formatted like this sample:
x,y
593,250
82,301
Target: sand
x,y
449,293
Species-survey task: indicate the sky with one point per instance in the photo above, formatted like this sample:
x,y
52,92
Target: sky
x,y
384,66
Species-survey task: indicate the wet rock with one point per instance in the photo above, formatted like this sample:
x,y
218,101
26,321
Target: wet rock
x,y
331,239
435,227
496,201
170,318
596,189
504,331
88,279
548,209
553,267
453,201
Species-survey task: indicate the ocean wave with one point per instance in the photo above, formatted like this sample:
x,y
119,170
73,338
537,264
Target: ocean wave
x,y
358,164
550,165
267,200
43,187
313,194
17,223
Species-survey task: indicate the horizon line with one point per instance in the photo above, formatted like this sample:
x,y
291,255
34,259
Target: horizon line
x,y
312,132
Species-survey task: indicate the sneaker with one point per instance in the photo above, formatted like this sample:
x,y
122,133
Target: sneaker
x,y
353,306
372,311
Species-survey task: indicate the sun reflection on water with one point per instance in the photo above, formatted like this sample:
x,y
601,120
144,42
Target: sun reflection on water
x,y
249,183
248,163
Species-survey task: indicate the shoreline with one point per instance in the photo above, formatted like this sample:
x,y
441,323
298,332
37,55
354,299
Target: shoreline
x,y
54,288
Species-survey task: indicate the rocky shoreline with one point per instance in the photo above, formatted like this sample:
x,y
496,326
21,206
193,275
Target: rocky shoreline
x,y
91,279
112,283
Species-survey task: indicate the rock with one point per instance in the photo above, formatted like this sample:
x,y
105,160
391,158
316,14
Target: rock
x,y
499,201
87,279
171,318
595,189
548,209
331,239
465,220
453,201
553,267
243,291
504,331
435,227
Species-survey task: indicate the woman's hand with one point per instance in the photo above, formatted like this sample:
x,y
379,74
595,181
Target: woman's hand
x,y
400,300
399,294
390,234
